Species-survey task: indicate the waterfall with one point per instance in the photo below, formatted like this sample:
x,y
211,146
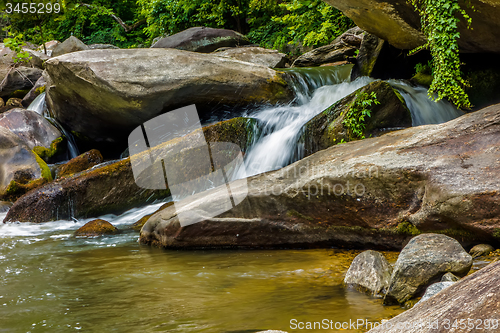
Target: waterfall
x,y
276,146
423,110
39,105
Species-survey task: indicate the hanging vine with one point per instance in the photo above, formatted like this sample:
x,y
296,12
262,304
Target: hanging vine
x,y
439,19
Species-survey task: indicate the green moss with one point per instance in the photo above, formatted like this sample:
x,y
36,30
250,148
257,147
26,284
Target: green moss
x,y
406,228
40,90
422,79
299,215
57,147
44,168
496,233
19,94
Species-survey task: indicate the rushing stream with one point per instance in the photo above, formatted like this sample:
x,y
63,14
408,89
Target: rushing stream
x,y
53,282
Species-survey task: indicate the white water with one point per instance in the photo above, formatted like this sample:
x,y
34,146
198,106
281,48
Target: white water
x,y
39,105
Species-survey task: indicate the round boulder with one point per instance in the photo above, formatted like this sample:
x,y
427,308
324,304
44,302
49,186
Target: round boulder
x,y
96,228
425,260
370,271
72,44
481,250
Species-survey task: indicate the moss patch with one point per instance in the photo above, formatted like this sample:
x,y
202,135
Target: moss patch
x,y
57,148
96,228
422,79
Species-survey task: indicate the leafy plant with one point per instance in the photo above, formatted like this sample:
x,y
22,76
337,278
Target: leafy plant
x,y
354,118
424,68
439,19
16,44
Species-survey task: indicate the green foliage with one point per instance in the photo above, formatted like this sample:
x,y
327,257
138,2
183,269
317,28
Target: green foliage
x,y
427,68
354,119
439,20
16,44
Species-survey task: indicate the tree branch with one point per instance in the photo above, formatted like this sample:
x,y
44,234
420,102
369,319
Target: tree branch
x,y
125,26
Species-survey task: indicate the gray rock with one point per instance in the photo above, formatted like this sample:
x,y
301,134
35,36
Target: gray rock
x,y
202,39
450,277
49,47
72,44
256,55
338,50
367,56
435,288
369,270
424,260
17,162
103,47
475,297
7,62
105,94
21,78
481,250
33,129
34,92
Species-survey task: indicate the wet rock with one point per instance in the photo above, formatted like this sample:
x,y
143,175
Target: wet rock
x,y
397,22
328,129
356,194
20,169
256,55
202,39
5,206
139,224
22,78
96,228
370,271
474,297
423,261
481,250
435,288
367,57
111,187
37,89
449,277
30,127
103,95
80,163
72,44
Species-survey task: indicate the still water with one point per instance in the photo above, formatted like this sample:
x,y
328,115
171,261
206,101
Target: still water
x,y
52,282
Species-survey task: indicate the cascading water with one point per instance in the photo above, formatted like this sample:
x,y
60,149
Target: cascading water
x,y
39,105
317,89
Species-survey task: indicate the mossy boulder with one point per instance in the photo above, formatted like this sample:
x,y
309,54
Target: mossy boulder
x,y
96,228
328,128
103,95
56,151
80,163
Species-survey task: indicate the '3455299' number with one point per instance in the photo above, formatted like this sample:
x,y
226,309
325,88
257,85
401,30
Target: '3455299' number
x,y
33,8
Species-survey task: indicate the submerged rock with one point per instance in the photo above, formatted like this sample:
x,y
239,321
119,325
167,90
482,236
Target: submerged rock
x,y
371,271
328,129
105,94
72,44
202,39
20,169
30,127
256,55
423,261
438,177
481,250
96,228
80,163
474,297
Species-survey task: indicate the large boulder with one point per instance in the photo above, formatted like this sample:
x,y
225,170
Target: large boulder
x,y
7,61
20,168
367,57
340,49
328,128
369,193
369,271
21,78
111,188
48,47
202,39
72,44
473,299
256,55
424,261
397,22
104,94
30,127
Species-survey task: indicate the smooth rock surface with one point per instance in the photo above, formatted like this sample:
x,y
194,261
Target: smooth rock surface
x,y
371,271
256,55
438,177
475,297
202,39
397,22
72,44
424,260
30,127
105,94
96,228
367,57
481,250
435,288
